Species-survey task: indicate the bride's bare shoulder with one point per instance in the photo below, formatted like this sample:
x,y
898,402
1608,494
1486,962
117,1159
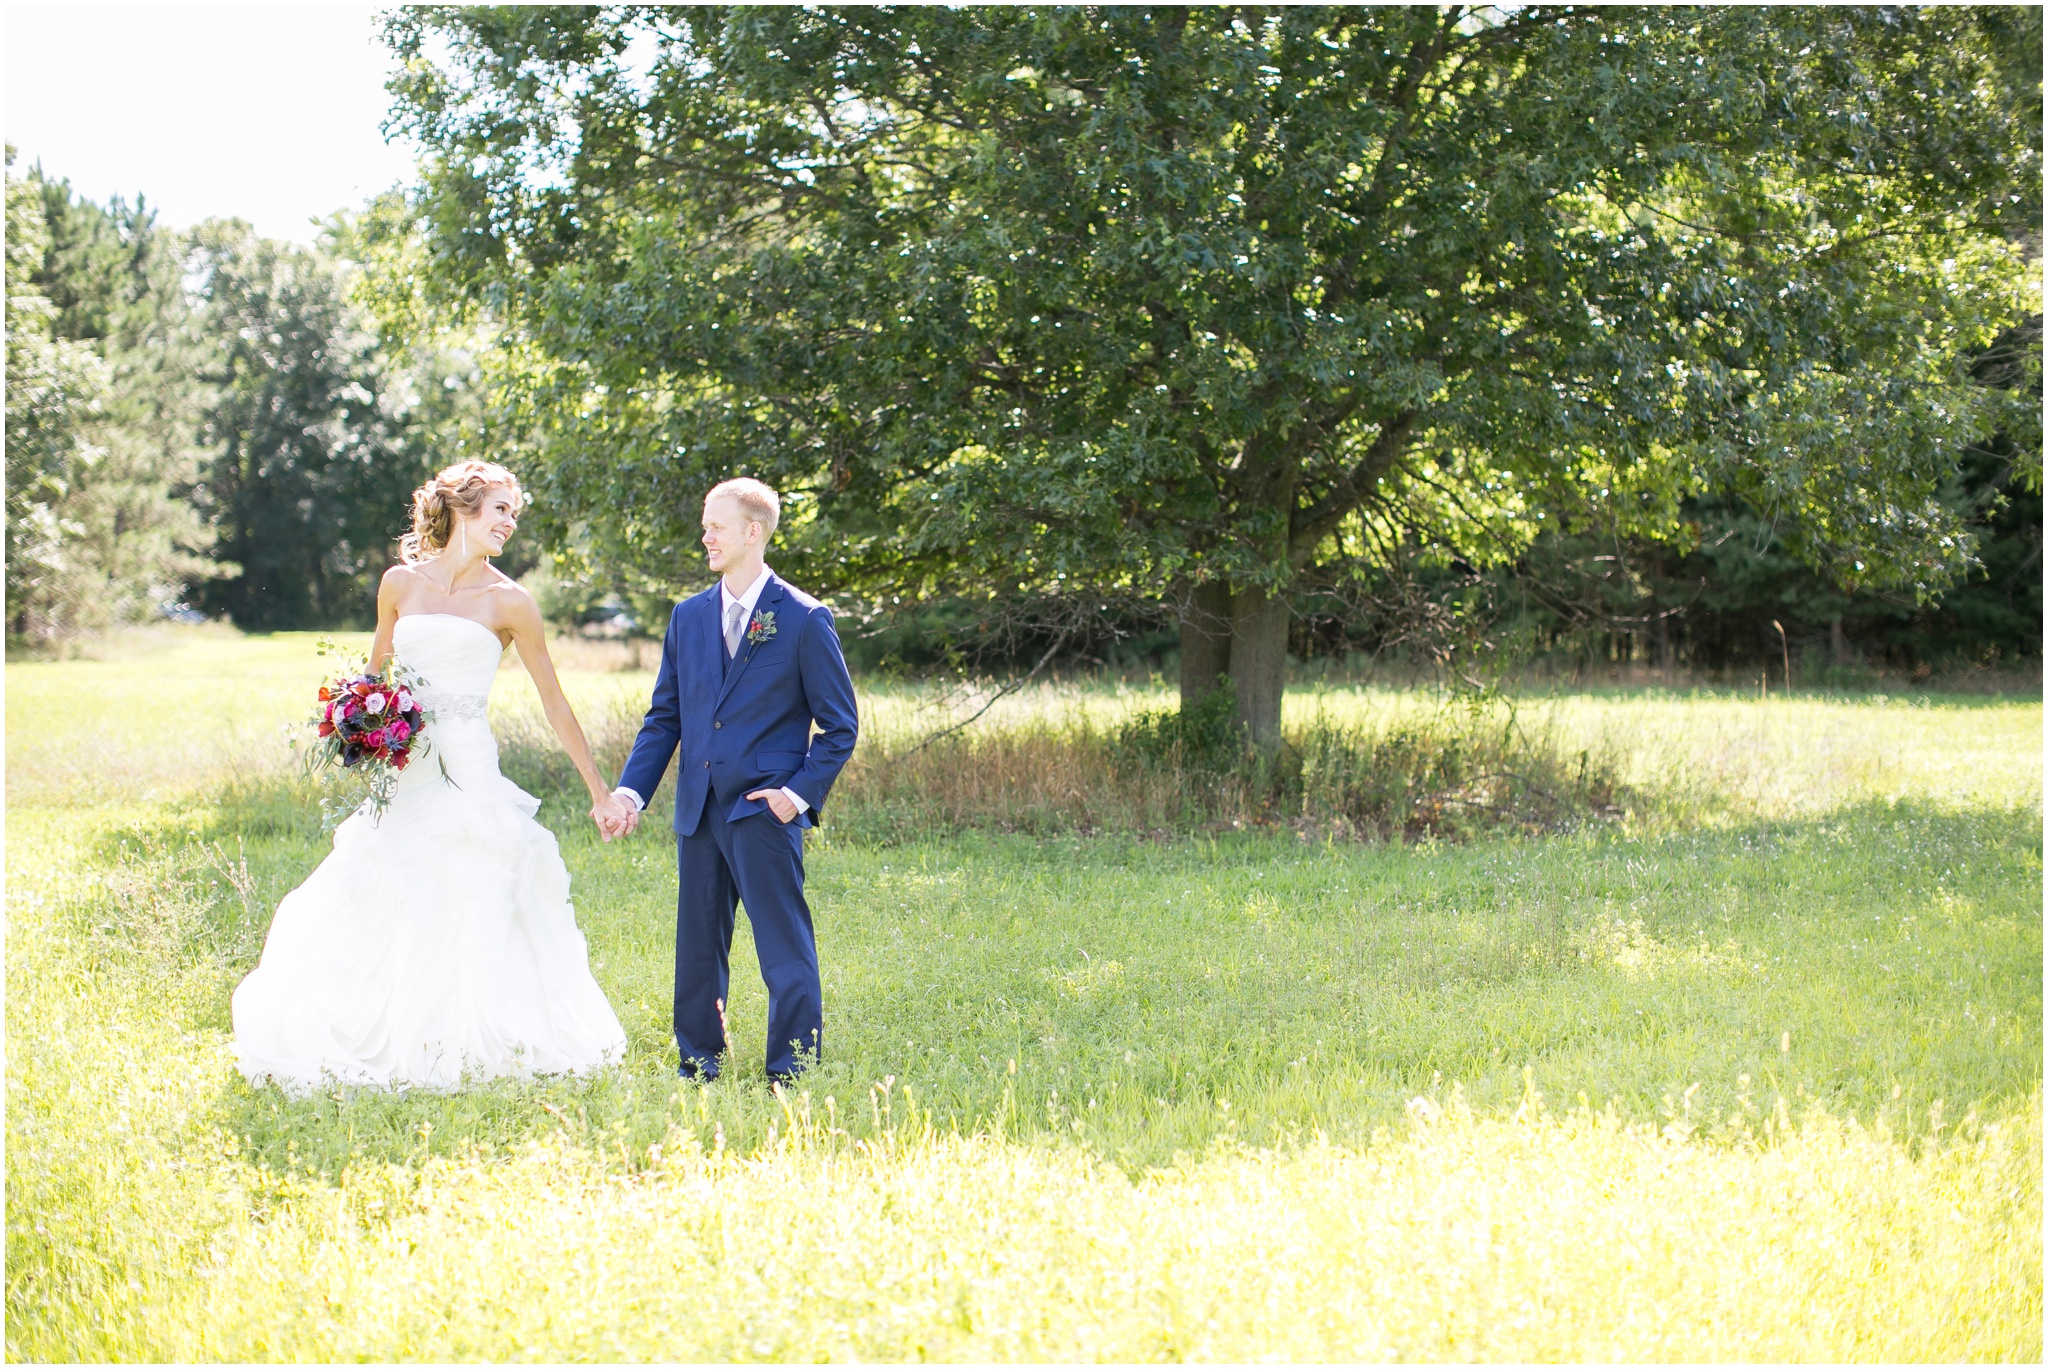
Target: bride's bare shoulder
x,y
397,581
501,583
510,597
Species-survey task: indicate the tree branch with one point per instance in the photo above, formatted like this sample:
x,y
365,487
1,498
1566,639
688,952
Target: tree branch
x,y
1313,524
1011,688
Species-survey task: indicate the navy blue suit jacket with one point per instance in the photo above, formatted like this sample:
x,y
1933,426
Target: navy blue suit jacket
x,y
749,727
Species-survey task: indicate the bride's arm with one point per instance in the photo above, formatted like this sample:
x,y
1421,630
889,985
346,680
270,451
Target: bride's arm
x,y
387,617
528,638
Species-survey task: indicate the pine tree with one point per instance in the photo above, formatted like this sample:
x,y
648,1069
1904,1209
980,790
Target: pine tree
x,y
55,389
100,531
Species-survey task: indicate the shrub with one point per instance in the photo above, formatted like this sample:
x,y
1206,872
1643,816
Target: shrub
x,y
1464,771
1205,737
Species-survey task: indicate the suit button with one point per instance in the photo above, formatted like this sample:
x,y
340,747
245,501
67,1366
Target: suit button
x,y
715,726
707,765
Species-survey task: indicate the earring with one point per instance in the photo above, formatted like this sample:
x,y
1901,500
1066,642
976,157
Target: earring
x,y
462,532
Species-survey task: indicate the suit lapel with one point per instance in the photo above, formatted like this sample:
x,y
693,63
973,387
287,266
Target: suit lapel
x,y
711,646
771,594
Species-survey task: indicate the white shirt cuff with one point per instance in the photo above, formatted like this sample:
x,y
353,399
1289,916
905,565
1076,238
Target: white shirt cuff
x,y
632,796
797,799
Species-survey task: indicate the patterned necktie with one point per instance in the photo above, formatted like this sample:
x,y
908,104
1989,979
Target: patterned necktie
x,y
734,613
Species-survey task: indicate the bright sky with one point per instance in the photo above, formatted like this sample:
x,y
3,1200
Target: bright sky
x,y
267,113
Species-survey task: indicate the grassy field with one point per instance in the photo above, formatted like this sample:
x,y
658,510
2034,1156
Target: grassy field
x,y
1748,1069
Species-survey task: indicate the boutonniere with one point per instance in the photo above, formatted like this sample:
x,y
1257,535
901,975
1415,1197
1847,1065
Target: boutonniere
x,y
761,629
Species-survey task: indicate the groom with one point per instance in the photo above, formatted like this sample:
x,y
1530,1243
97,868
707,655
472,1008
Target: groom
x,y
747,668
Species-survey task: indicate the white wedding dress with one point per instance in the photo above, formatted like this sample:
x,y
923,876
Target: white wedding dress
x,y
435,945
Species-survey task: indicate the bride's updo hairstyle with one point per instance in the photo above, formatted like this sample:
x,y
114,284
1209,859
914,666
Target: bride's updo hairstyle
x,y
457,492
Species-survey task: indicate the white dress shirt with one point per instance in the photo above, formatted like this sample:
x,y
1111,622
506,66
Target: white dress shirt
x,y
746,601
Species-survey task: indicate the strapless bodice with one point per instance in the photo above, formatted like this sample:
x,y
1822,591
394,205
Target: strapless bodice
x,y
450,654
456,661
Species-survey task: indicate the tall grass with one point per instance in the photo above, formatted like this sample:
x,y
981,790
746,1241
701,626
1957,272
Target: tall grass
x,y
1455,770
1356,763
1751,1070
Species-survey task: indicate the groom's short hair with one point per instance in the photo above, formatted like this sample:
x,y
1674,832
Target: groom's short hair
x,y
760,504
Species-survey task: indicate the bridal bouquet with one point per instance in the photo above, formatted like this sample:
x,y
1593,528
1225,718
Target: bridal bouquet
x,y
370,723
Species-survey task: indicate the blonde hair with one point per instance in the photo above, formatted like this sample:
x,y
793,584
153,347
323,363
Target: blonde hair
x,y
457,491
759,503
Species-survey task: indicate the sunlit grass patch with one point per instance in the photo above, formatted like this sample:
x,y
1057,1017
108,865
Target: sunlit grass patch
x,y
1102,1096
1533,1236
82,733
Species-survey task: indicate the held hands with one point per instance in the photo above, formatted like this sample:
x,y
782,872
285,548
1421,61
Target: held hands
x,y
615,816
778,804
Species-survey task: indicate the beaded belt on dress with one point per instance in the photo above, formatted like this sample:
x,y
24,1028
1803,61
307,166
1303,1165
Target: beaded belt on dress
x,y
444,706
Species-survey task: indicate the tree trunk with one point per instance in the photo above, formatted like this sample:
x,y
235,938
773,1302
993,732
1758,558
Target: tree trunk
x,y
1204,642
1244,636
1258,663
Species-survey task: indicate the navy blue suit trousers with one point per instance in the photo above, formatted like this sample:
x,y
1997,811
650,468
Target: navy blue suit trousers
x,y
758,861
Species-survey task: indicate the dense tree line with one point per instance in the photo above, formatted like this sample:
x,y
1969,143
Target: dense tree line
x,y
204,422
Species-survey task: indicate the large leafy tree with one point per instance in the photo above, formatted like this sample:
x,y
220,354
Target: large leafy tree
x,y
313,461
1206,304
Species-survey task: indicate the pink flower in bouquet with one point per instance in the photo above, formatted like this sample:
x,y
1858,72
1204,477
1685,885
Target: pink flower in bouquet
x,y
398,732
375,741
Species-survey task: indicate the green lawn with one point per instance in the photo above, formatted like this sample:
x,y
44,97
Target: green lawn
x,y
1752,1073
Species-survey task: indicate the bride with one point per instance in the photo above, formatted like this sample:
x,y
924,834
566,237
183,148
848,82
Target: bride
x,y
437,945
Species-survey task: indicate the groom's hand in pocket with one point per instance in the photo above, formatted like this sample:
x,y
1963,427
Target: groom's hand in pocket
x,y
778,804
